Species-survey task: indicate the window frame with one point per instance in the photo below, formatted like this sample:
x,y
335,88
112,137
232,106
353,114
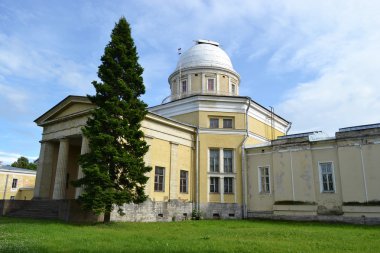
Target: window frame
x,y
232,160
262,188
184,82
214,84
183,181
233,88
216,162
215,120
229,119
158,178
14,183
230,187
214,185
321,183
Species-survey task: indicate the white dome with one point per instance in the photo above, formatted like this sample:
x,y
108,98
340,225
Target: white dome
x,y
205,53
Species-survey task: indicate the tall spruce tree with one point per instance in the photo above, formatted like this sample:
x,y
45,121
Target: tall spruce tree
x,y
114,168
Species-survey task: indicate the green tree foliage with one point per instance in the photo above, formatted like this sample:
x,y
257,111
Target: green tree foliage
x,y
114,168
23,162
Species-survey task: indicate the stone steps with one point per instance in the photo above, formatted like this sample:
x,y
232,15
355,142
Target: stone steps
x,y
37,209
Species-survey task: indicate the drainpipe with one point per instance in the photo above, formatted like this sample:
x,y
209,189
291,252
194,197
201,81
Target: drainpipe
x,y
243,163
288,128
197,171
6,185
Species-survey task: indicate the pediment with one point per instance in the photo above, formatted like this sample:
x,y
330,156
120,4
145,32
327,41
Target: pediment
x,y
71,106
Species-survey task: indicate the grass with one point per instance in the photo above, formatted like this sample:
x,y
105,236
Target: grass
x,y
26,235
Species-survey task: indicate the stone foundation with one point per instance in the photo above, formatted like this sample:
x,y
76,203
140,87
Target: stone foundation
x,y
221,211
268,215
151,211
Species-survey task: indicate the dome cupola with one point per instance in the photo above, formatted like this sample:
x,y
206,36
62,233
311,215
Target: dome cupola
x,y
204,69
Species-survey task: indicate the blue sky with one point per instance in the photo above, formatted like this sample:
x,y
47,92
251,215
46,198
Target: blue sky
x,y
316,62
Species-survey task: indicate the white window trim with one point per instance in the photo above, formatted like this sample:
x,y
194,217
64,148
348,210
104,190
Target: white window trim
x,y
215,84
187,182
233,160
164,179
14,189
259,179
320,176
187,86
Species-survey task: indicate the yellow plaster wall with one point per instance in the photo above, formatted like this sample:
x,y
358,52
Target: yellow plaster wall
x,y
185,162
259,201
303,175
74,108
218,141
371,160
282,176
160,156
196,85
327,155
214,197
25,194
238,119
189,118
223,84
351,175
262,129
229,198
23,180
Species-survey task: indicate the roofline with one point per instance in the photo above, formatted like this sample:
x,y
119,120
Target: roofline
x,y
233,97
85,112
176,71
59,103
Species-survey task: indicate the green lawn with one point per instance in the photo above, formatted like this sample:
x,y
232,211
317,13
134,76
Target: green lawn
x,y
24,235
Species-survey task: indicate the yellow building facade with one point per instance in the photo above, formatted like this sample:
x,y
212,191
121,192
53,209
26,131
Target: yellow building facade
x,y
197,140
223,155
16,183
322,178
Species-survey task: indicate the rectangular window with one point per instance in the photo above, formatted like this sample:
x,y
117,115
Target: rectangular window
x,y
228,160
214,123
211,84
227,123
264,180
14,183
159,179
214,160
228,186
184,86
233,88
214,184
12,198
327,178
183,181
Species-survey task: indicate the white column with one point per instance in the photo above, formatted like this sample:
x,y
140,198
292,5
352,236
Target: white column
x,y
173,183
217,84
40,171
44,171
203,82
148,162
221,161
60,173
83,150
221,189
189,84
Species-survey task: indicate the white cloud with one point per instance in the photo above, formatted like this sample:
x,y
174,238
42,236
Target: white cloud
x,y
8,158
343,51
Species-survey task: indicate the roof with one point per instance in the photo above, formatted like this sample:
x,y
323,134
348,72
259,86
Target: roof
x,y
205,53
10,169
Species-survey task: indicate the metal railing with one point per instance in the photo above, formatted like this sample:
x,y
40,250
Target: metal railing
x,y
199,92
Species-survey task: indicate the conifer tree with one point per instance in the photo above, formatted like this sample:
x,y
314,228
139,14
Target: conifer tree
x,y
114,168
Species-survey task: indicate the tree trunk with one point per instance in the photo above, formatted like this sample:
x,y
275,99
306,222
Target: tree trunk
x,y
107,217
